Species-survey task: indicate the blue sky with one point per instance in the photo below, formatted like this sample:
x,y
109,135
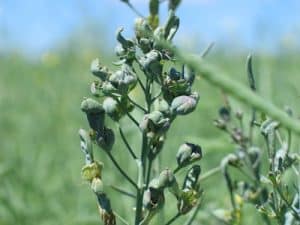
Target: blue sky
x,y
37,25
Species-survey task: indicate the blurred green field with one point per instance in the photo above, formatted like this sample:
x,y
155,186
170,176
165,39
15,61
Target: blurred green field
x,y
40,157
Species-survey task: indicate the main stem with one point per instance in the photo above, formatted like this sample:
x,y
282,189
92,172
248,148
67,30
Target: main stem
x,y
144,154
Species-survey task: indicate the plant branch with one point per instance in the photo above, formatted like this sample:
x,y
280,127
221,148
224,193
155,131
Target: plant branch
x,y
121,170
173,219
126,143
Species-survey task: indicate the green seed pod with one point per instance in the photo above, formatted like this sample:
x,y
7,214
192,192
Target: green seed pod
x,y
106,139
159,35
91,171
86,146
154,124
183,105
99,71
188,153
142,28
123,80
95,113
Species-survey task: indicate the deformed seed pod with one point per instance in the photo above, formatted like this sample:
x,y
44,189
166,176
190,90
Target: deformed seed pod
x,y
106,139
99,71
86,146
188,153
183,105
94,112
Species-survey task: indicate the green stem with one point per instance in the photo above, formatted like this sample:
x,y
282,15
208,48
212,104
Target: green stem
x,y
220,79
127,144
194,214
210,173
121,170
123,191
173,219
137,105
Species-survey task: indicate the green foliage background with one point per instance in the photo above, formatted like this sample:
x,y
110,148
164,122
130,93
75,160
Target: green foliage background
x,y
40,158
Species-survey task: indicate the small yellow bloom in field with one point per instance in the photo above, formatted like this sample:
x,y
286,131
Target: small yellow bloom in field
x,y
91,171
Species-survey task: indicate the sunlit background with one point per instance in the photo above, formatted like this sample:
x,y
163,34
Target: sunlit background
x,y
46,47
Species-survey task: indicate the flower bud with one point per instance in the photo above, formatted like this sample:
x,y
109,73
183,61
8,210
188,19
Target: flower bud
x,y
96,88
123,80
95,113
106,139
224,113
91,171
162,105
97,186
142,28
99,71
145,45
111,108
86,146
188,153
154,124
151,64
108,88
167,179
183,105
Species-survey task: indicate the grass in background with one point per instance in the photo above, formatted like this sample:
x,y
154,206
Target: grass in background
x,y
40,158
